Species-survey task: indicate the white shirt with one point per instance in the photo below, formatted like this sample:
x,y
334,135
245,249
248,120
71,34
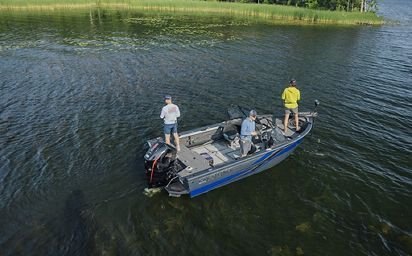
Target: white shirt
x,y
170,113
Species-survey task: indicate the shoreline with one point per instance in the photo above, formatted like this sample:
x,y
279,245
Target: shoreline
x,y
274,13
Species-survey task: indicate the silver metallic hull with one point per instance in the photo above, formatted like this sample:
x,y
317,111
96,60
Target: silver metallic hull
x,y
204,181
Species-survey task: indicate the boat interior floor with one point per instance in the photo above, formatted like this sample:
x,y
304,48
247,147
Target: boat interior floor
x,y
220,151
223,151
291,128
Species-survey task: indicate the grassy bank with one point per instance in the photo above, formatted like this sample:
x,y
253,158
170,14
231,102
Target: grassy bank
x,y
269,12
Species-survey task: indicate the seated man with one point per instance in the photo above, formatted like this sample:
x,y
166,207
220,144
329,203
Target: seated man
x,y
246,133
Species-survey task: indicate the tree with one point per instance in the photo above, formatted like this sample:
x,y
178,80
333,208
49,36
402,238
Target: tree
x,y
312,4
340,5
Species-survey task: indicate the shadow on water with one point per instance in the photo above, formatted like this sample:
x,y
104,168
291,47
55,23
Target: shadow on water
x,y
68,231
77,236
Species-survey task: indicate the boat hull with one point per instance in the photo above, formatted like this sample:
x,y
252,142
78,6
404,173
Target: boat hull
x,y
221,177
197,170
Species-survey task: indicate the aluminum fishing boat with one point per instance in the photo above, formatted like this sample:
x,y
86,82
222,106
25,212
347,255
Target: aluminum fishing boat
x,y
210,156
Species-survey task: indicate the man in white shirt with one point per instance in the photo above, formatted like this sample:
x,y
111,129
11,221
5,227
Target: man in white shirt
x,y
169,114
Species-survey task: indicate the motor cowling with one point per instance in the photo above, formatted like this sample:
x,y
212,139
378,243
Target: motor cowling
x,y
160,161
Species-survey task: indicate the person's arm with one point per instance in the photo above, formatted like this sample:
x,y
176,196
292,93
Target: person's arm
x,y
242,128
284,95
298,95
177,112
253,132
162,114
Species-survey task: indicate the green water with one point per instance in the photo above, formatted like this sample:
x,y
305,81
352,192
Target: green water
x,y
81,93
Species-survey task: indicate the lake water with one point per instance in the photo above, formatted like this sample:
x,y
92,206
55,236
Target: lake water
x,y
81,93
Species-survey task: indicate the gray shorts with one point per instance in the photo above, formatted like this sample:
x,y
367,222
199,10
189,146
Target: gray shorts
x,y
245,146
291,110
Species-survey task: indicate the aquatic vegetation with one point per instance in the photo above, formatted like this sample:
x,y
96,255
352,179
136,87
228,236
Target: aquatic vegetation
x,y
385,228
406,240
272,13
280,251
303,227
177,205
154,233
299,251
155,30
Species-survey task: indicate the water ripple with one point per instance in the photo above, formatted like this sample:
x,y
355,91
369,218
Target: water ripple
x,y
79,101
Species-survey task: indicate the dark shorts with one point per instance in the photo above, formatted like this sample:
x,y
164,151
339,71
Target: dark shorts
x,y
170,128
291,110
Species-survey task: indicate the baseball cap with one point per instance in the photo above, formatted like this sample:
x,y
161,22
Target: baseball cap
x,y
168,97
252,113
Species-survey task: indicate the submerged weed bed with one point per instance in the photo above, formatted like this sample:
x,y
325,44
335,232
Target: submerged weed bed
x,y
286,14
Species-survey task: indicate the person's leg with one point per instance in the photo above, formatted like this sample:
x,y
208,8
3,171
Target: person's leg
x,y
166,130
248,146
285,123
167,138
176,136
297,120
241,147
177,141
245,147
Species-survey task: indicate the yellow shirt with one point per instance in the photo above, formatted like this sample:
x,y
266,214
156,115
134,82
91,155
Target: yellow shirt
x,y
290,97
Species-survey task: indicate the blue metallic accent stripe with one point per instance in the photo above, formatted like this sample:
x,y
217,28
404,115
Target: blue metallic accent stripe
x,y
237,176
263,157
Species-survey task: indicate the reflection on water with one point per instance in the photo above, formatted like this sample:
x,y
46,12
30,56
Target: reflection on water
x,y
81,92
152,31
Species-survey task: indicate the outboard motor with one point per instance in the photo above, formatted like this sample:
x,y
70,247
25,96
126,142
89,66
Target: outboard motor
x,y
160,163
267,139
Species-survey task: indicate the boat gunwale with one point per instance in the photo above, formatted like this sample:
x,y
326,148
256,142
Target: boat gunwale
x,y
211,170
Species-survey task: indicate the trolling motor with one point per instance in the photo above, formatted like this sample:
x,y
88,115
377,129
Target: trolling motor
x,y
160,163
317,103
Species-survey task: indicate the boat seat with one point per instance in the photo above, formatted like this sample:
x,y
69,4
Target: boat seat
x,y
230,136
230,132
277,135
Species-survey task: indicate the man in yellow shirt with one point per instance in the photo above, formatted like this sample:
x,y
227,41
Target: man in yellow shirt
x,y
290,97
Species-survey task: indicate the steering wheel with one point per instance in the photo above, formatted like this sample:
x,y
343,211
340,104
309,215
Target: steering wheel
x,y
265,126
